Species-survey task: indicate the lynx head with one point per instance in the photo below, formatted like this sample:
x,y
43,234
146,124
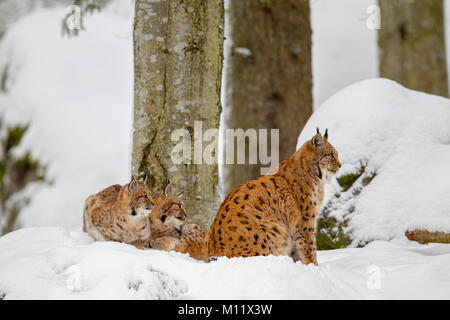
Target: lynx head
x,y
169,214
325,157
140,202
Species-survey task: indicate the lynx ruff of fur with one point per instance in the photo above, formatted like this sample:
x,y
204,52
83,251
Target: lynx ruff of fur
x,y
277,214
171,231
120,213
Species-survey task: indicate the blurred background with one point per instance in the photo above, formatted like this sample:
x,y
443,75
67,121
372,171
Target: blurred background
x,y
66,99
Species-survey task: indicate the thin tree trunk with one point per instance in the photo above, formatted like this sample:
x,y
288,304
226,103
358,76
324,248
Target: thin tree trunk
x,y
178,64
269,78
412,44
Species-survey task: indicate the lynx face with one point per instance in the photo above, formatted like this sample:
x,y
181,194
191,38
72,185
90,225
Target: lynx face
x,y
173,212
325,155
141,202
169,214
120,213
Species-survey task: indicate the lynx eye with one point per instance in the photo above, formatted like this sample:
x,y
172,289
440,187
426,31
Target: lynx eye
x,y
163,218
133,213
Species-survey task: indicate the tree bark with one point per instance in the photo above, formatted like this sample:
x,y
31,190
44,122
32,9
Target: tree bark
x,y
178,65
269,76
425,236
412,44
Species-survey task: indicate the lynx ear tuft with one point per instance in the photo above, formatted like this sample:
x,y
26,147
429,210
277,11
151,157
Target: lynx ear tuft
x,y
317,130
132,186
326,134
317,140
168,192
144,177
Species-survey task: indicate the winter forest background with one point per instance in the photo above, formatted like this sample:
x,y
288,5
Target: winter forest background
x,y
82,110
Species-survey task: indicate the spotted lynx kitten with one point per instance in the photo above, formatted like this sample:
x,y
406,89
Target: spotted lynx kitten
x,y
120,213
170,229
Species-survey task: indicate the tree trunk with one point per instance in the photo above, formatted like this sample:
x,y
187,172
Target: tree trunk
x,y
178,65
269,77
412,44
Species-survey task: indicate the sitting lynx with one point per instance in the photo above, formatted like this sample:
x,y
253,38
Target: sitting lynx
x,y
120,213
171,231
276,214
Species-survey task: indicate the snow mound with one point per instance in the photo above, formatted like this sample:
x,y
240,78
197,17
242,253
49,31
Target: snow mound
x,y
400,140
55,263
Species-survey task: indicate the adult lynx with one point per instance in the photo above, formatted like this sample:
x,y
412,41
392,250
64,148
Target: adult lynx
x,y
276,214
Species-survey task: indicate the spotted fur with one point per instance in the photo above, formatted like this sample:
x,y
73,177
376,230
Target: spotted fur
x,y
277,213
120,213
170,229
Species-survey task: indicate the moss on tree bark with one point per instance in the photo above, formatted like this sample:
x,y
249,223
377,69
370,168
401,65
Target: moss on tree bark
x,y
178,65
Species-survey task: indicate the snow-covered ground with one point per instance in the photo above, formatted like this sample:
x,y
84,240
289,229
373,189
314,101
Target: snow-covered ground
x,y
55,263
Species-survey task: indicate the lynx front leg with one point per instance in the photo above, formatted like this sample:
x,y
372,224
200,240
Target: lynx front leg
x,y
305,239
165,243
142,245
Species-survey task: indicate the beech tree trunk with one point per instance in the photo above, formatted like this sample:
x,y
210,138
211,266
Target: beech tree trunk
x,y
178,65
412,44
269,77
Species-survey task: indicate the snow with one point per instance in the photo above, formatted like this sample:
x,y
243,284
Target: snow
x,y
403,136
56,263
77,94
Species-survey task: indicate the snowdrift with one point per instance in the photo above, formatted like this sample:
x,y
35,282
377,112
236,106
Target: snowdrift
x,y
56,263
398,141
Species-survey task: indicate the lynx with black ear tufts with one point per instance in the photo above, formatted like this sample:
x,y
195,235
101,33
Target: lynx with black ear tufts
x,y
120,213
276,214
317,140
144,178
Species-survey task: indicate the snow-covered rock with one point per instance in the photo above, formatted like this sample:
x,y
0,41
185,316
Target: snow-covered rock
x,y
55,263
402,138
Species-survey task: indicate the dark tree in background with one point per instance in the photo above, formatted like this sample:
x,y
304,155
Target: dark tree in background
x,y
269,76
412,44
